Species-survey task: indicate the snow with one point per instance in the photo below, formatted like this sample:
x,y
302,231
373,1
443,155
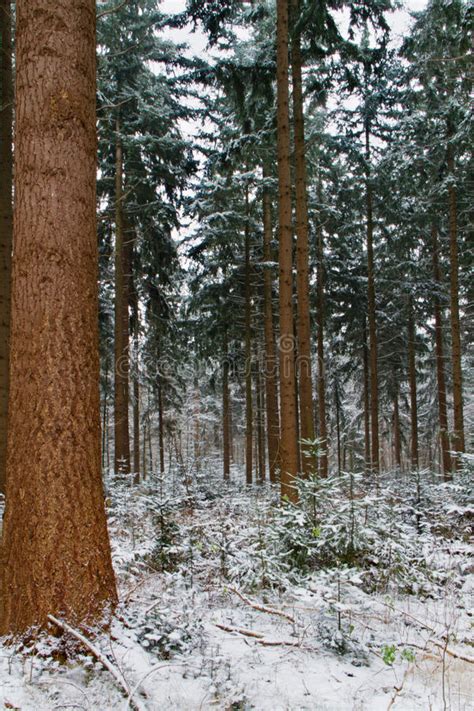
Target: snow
x,y
188,562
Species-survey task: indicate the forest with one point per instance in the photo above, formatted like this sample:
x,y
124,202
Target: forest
x,y
236,377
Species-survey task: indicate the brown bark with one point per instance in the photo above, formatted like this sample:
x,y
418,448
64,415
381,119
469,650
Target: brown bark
x,y
6,221
288,415
323,434
442,404
134,307
122,365
305,386
412,385
248,349
271,386
457,439
55,549
372,318
226,410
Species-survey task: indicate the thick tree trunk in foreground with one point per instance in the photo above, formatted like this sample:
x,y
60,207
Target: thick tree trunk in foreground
x,y
305,385
458,444
122,365
442,406
55,548
412,383
248,350
372,318
288,415
323,433
271,386
6,222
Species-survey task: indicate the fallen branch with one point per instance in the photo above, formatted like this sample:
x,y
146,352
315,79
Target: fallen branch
x,y
117,675
263,608
451,652
240,630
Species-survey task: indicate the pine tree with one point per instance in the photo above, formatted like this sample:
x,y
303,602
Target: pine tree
x,y
6,222
55,549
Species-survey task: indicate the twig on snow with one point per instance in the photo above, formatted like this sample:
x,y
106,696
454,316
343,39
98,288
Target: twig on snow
x,y
240,630
263,608
117,675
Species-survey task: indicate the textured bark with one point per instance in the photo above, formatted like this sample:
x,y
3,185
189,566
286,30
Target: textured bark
x,y
323,434
129,247
136,405
271,385
248,350
288,415
6,221
226,411
305,385
442,405
122,366
412,385
373,359
457,440
55,549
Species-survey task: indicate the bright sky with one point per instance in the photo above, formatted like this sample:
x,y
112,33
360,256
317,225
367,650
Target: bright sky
x,y
399,20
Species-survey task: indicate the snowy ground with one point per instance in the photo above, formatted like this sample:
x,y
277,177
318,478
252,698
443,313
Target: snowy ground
x,y
197,630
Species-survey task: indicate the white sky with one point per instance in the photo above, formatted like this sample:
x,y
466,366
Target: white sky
x,y
399,21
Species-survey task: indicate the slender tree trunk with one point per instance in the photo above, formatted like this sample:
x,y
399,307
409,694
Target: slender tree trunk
x,y
412,383
226,410
55,548
373,359
442,405
105,413
305,386
271,386
161,434
134,307
6,222
367,447
248,349
260,421
288,415
396,430
457,440
338,426
122,366
323,434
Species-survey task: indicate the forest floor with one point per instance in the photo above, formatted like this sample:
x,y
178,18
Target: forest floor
x,y
215,614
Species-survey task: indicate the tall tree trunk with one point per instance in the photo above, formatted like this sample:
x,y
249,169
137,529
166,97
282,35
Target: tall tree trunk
x,y
338,426
248,348
412,383
260,421
6,177
55,549
457,440
122,366
305,386
367,447
442,405
134,307
161,433
271,386
323,433
373,359
396,429
226,410
288,415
